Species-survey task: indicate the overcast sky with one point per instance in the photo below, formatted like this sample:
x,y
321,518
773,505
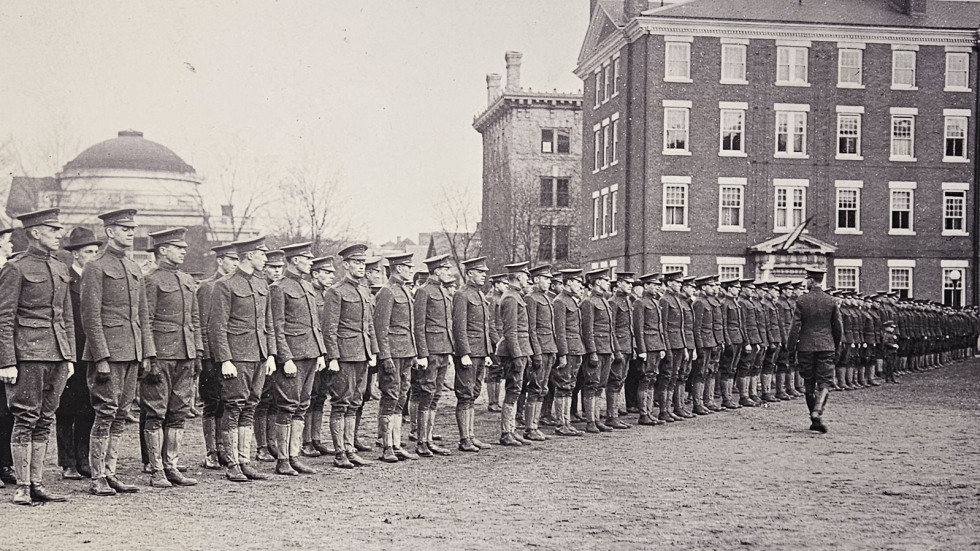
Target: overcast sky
x,y
385,91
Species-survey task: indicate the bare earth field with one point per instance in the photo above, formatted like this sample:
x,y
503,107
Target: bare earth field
x,y
898,470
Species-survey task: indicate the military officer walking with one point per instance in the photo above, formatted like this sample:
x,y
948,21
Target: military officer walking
x,y
243,341
37,348
167,387
118,341
471,336
75,414
299,349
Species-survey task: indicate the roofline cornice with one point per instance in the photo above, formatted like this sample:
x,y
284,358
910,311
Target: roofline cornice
x,y
124,173
555,100
809,31
612,44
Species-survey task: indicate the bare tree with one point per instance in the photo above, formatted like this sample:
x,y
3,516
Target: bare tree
x,y
311,195
457,216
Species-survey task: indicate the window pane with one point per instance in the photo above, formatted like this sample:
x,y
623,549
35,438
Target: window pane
x,y
954,206
561,193
733,65
547,136
678,60
547,194
902,136
675,204
596,220
731,206
849,66
561,242
958,70
597,162
732,123
615,211
903,69
675,129
544,242
848,134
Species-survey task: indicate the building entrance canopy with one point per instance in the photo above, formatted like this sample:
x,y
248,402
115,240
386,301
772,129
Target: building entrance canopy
x,y
787,256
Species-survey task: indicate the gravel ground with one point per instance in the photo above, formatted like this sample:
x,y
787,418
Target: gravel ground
x,y
898,470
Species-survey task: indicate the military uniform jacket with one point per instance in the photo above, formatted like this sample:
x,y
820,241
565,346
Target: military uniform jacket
x,y
515,341
704,331
568,326
394,321
299,333
433,311
648,326
717,320
541,320
867,328
348,324
688,326
772,316
750,321
598,331
762,321
172,308
205,290
36,320
494,299
817,325
732,320
240,327
115,316
673,320
785,307
623,314
471,322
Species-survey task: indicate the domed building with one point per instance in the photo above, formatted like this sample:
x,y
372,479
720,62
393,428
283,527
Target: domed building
x,y
127,171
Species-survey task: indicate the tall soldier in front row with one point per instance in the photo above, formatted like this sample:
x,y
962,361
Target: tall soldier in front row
x,y
118,340
541,330
514,349
651,346
348,333
299,349
167,387
37,348
243,341
568,340
601,347
815,336
471,335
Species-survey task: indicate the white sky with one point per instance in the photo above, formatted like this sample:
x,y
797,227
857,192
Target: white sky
x,y
384,91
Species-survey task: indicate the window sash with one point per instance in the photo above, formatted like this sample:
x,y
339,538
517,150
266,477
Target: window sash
x,y
848,209
598,88
903,68
849,66
900,205
676,128
675,205
678,60
955,137
848,134
733,130
791,64
903,136
545,242
562,197
596,217
730,199
790,207
562,239
847,277
730,271
733,62
614,211
615,141
791,132
900,281
958,70
605,146
615,78
605,214
547,141
954,210
547,198
597,163
606,75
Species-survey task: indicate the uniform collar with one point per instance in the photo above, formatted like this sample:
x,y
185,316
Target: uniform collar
x,y
115,251
38,252
167,265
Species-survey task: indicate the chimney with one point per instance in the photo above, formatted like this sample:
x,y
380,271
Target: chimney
x,y
493,87
513,60
633,8
593,4
912,8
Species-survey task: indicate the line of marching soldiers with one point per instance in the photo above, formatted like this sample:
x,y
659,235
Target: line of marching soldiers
x,y
272,336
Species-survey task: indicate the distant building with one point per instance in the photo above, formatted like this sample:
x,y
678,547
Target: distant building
x,y
128,171
532,153
742,120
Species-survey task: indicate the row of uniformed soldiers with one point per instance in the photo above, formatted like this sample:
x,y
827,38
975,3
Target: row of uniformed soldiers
x,y
298,337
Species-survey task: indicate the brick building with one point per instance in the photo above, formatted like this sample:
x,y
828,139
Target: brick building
x,y
532,153
715,131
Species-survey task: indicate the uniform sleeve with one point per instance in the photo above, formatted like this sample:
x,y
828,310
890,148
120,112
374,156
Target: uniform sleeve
x,y
460,313
369,322
205,316
10,283
837,326
794,331
698,308
146,325
532,323
588,326
278,300
68,314
419,308
331,323
637,320
561,338
384,302
91,306
196,322
270,330
508,323
494,330
218,321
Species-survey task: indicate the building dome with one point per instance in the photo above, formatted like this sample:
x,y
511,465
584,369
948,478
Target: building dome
x,y
128,151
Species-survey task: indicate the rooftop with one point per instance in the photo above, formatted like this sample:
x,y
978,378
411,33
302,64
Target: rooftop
x,y
129,151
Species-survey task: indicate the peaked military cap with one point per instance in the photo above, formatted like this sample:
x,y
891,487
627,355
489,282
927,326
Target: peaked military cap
x,y
498,278
298,249
249,245
80,237
815,273
543,270
731,282
479,263
705,280
356,251
687,280
46,217
569,274
517,267
625,276
595,275
275,258
653,277
433,263
400,259
228,249
748,283
323,264
121,217
4,231
171,236
673,276
373,263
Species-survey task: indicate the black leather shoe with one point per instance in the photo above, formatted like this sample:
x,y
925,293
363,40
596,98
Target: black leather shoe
x,y
284,468
438,450
422,450
361,447
85,471
234,474
341,462
404,455
508,439
70,473
100,487
356,460
300,467
816,425
615,423
318,446
466,445
120,487
251,473
7,475
40,493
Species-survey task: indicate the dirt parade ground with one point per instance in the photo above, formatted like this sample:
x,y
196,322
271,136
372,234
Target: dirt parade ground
x,y
898,470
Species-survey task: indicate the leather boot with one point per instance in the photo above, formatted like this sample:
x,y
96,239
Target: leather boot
x,y
396,440
294,447
769,393
154,452
21,454
548,416
38,492
679,397
708,395
697,395
270,442
612,412
97,447
563,415
173,438
261,439
588,410
781,385
358,445
493,397
652,406
464,420
430,426
350,435
508,425
743,391
233,471
816,415
534,427
859,376
413,414
337,434
471,428
663,399
421,420
597,414
464,431
210,444
280,435
727,401
870,376
111,457
643,398
754,390
387,448
245,437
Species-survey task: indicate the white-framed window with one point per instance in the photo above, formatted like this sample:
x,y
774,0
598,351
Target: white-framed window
x,y
901,208
791,126
606,144
850,67
615,77
792,65
596,215
730,271
677,59
732,136
676,127
606,219
733,63
597,147
606,84
614,209
675,201
954,282
615,138
900,277
847,275
954,135
849,132
848,206
954,208
903,134
670,264
731,204
790,204
957,71
611,264
598,88
903,69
